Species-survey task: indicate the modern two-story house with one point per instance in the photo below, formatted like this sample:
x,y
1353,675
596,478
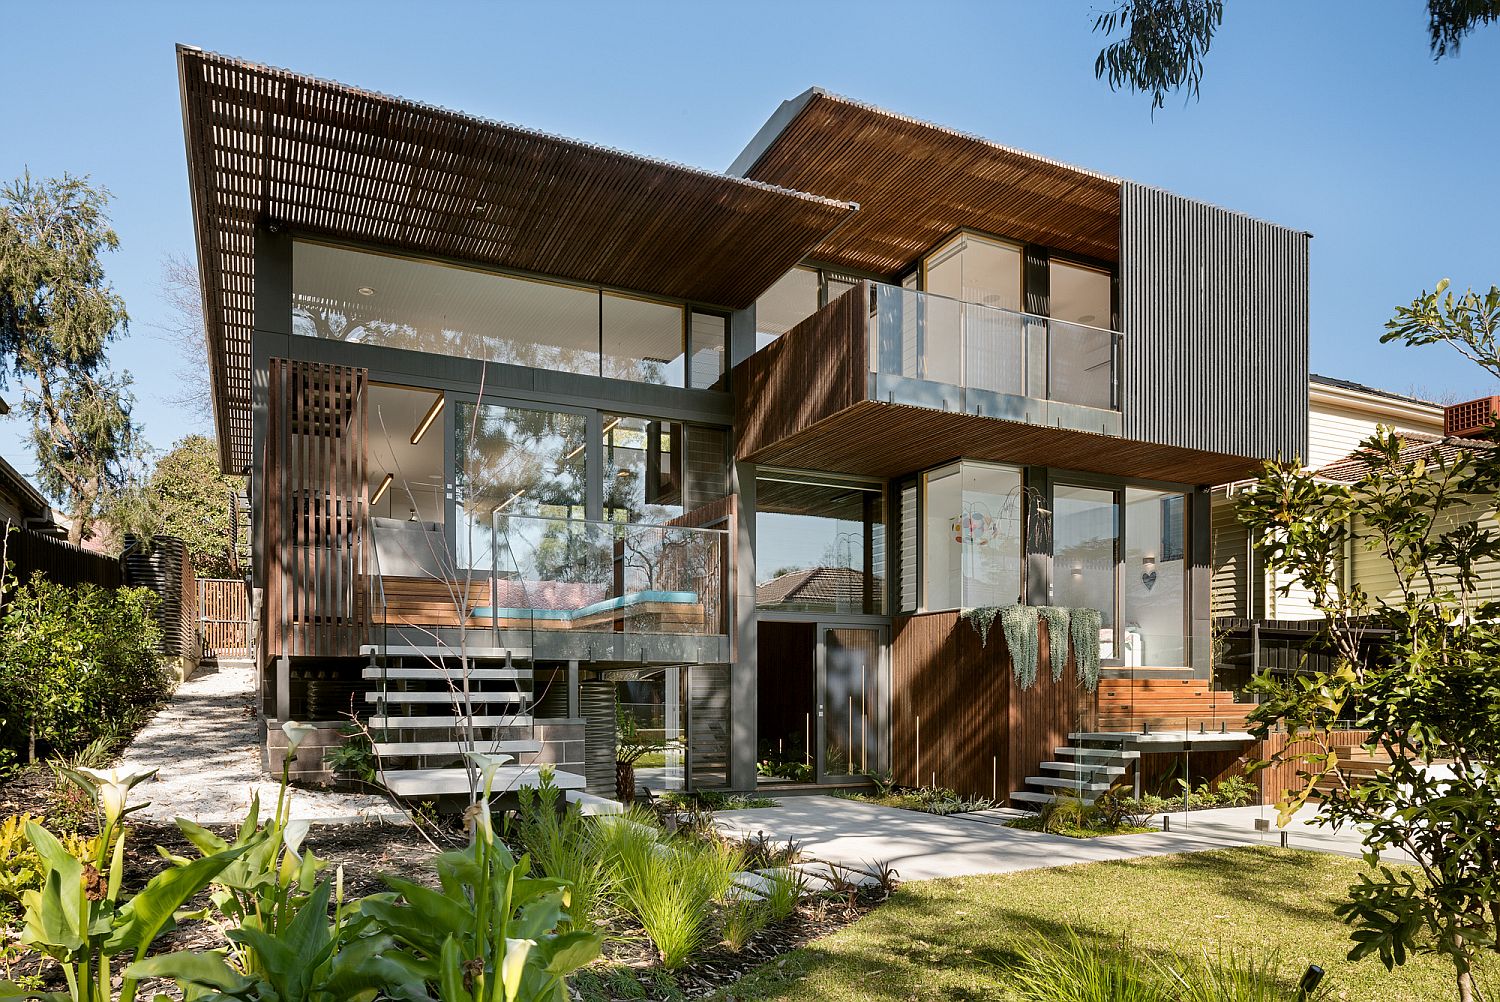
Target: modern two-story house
x,y
739,453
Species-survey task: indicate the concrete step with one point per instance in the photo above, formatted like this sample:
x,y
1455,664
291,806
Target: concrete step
x,y
394,749
431,723
1097,754
1060,783
1040,799
445,697
1083,767
443,676
444,782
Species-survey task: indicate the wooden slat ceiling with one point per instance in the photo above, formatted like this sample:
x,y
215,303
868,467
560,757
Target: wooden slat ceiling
x,y
916,182
890,440
266,145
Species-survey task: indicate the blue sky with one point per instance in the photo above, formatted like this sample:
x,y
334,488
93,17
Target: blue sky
x,y
1330,117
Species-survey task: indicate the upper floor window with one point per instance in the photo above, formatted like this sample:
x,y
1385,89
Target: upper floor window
x,y
395,302
786,304
975,269
1079,294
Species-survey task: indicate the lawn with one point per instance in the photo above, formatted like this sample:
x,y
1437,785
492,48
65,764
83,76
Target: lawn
x,y
954,939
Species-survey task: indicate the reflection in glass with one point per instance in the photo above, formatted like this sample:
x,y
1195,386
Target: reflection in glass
x,y
819,547
851,676
1155,613
973,545
1086,529
514,461
642,340
786,304
707,340
642,469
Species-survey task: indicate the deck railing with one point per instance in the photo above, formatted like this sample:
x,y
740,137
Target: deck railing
x,y
933,351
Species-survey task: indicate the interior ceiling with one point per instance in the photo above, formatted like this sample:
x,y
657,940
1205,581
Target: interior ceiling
x,y
394,415
326,160
916,182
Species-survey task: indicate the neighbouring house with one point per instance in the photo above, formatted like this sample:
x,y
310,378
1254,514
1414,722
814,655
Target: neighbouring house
x,y
735,450
23,506
1265,620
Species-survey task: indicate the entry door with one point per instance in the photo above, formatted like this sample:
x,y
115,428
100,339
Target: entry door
x,y
851,692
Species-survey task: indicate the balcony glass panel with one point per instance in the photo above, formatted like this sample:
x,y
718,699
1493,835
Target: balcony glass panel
x,y
932,351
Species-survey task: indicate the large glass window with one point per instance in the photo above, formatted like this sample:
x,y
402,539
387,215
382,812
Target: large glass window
x,y
1085,551
642,469
1155,576
394,302
786,304
974,269
514,461
642,340
1078,294
819,547
972,544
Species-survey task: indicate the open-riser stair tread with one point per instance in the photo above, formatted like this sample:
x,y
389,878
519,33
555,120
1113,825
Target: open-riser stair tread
x,y
445,697
422,749
1078,767
429,723
1063,783
455,780
444,676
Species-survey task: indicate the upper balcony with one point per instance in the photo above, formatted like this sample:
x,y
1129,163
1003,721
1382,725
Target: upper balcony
x,y
885,380
931,351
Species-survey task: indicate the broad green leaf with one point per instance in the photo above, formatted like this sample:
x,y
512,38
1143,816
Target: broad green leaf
x,y
144,916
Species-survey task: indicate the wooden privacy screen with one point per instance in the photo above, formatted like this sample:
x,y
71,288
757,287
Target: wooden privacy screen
x,y
164,566
316,509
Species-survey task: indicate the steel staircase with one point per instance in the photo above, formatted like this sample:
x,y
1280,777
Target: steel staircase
x,y
1086,768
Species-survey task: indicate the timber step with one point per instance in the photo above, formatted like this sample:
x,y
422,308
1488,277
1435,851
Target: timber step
x,y
448,722
445,675
413,749
444,782
446,651
445,697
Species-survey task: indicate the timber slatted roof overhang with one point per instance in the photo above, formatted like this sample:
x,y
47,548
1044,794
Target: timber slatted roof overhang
x,y
916,182
268,146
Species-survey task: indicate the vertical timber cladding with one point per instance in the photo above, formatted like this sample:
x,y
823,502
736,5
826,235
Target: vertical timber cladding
x,y
1214,311
958,720
708,726
317,496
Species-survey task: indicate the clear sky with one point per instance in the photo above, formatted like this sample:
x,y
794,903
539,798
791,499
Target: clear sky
x,y
1330,117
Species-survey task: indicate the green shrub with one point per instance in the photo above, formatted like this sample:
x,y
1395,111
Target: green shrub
x,y
1236,978
742,920
1236,791
563,845
20,866
1075,971
787,887
76,663
668,886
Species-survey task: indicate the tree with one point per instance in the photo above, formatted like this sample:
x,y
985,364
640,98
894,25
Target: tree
x,y
184,330
1163,42
1419,668
57,316
188,497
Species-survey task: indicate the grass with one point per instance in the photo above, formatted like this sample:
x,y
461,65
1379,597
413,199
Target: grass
x,y
1077,831
963,938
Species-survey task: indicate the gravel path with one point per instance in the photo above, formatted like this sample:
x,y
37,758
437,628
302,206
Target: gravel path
x,y
205,744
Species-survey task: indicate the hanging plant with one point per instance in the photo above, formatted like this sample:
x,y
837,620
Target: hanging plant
x,y
1019,623
981,617
1085,624
1056,618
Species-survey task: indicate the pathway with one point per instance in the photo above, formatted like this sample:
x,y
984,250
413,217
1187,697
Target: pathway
x,y
924,846
205,744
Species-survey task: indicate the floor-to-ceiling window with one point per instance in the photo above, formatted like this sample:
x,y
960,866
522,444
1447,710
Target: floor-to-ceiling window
x,y
819,545
972,543
1153,607
1085,555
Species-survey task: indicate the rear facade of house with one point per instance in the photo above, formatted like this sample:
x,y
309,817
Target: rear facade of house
x,y
728,456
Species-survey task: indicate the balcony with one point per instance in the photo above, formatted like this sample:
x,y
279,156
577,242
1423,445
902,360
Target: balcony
x,y
561,589
943,354
886,381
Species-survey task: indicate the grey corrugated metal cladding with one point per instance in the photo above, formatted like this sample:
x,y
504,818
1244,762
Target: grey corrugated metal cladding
x,y
1214,309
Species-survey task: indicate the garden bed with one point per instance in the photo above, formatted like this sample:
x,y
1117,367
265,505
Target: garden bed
x,y
1072,830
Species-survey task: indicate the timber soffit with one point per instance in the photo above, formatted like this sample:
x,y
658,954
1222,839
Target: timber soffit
x,y
268,146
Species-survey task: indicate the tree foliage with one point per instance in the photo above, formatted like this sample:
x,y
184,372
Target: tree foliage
x,y
1466,323
57,317
1417,665
1162,43
187,496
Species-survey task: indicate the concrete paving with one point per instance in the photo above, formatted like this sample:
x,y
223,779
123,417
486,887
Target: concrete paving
x,y
205,744
923,846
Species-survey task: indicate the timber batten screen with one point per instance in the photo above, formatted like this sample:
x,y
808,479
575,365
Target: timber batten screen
x,y
270,147
316,509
